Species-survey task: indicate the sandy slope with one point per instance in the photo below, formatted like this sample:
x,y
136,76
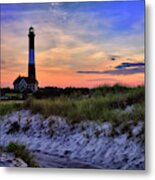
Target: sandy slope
x,y
54,143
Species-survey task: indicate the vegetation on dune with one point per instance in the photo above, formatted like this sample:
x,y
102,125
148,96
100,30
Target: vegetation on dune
x,y
100,104
104,104
9,106
121,106
20,151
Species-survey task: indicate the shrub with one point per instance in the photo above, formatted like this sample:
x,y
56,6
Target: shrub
x,y
20,151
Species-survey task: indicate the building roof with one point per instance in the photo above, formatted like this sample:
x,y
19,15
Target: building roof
x,y
27,79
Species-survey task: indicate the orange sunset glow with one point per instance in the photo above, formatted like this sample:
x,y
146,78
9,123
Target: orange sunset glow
x,y
93,45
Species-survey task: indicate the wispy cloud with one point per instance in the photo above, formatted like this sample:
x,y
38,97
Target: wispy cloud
x,y
72,36
124,69
103,79
127,65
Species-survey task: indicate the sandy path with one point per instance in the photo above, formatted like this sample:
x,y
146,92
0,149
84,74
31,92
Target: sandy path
x,y
56,161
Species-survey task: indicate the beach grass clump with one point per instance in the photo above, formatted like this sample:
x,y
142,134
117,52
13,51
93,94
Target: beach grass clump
x,y
102,108
22,152
9,106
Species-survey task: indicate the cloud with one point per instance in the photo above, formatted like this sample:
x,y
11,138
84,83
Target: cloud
x,y
51,27
86,38
102,79
123,69
115,72
127,65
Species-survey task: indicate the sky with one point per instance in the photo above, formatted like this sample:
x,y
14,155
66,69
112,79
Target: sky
x,y
78,44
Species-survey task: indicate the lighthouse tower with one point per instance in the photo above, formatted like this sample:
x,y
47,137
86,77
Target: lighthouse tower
x,y
29,83
31,64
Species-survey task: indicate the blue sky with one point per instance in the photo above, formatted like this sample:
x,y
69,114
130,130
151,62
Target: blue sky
x,y
72,37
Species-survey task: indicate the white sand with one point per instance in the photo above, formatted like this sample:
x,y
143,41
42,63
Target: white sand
x,y
56,144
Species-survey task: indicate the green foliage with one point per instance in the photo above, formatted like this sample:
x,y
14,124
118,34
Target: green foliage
x,y
108,104
104,90
15,95
9,106
20,151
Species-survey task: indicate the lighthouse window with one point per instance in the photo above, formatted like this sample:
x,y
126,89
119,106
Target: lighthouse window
x,y
31,30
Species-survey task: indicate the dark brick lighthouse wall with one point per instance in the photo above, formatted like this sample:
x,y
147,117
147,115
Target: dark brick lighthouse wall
x,y
31,65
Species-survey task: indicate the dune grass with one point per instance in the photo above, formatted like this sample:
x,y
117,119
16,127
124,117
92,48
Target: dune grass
x,y
100,106
21,151
9,106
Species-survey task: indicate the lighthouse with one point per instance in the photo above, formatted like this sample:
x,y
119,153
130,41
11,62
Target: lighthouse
x,y
31,63
28,84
